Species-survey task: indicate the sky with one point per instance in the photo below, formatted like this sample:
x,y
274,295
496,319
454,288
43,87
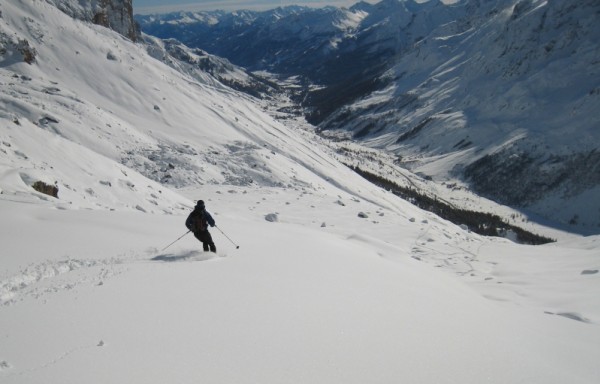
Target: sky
x,y
152,6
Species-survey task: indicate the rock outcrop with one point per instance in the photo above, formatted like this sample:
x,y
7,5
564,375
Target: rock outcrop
x,y
114,14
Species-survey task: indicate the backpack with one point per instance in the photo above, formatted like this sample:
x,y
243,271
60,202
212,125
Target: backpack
x,y
197,222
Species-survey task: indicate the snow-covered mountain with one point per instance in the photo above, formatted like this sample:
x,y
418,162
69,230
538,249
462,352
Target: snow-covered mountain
x,y
198,63
320,276
507,100
162,116
502,95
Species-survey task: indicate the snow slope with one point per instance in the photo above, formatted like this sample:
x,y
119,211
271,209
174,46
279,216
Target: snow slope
x,y
164,124
296,302
334,280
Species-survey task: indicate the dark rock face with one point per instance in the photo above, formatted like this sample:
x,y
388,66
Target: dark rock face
x,y
114,14
47,189
118,16
12,50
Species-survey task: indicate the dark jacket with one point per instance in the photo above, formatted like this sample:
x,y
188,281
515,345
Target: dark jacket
x,y
199,220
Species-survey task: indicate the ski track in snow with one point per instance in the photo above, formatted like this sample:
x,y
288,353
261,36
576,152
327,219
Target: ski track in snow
x,y
424,249
4,365
36,281
39,280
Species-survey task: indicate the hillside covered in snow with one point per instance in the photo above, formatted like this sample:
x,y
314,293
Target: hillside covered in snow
x,y
319,276
500,96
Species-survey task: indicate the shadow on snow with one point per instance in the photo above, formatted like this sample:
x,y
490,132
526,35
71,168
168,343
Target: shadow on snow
x,y
192,255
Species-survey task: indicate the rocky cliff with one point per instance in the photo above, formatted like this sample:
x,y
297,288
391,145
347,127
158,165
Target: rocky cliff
x,y
114,14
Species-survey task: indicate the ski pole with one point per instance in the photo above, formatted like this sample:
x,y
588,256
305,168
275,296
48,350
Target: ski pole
x,y
236,246
176,240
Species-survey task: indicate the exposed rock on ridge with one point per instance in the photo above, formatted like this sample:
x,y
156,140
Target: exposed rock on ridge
x,y
114,14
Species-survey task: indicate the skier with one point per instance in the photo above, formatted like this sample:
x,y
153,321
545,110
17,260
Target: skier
x,y
198,222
